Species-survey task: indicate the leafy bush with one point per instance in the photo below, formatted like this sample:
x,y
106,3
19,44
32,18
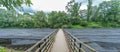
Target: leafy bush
x,y
75,20
77,26
84,23
94,25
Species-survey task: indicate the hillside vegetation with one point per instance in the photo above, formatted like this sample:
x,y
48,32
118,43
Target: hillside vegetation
x,y
105,15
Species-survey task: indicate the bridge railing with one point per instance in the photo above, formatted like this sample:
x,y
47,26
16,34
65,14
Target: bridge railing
x,y
76,45
45,44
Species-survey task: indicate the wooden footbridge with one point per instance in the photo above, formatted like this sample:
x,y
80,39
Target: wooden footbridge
x,y
60,41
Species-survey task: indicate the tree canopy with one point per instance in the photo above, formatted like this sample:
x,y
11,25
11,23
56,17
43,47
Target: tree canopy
x,y
106,14
10,4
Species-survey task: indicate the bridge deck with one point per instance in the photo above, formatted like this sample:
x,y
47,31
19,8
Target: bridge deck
x,y
60,44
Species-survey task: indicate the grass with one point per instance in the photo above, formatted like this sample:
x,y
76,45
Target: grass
x,y
89,25
76,26
3,49
94,25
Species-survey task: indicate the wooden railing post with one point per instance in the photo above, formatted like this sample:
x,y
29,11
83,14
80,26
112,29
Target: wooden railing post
x,y
80,46
74,40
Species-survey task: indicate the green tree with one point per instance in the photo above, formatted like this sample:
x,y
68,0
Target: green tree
x,y
40,19
8,18
89,10
57,19
110,10
95,13
10,4
73,8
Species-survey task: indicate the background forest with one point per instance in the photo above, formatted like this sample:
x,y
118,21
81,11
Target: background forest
x,y
105,15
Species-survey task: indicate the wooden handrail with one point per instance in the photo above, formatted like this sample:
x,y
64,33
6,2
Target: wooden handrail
x,y
41,45
76,45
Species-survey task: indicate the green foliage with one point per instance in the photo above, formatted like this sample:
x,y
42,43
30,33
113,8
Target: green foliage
x,y
2,49
106,14
57,19
84,23
12,19
73,8
109,10
76,26
94,25
40,19
10,4
89,10
75,20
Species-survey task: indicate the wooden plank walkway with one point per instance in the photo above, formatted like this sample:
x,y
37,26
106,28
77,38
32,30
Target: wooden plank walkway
x,y
60,44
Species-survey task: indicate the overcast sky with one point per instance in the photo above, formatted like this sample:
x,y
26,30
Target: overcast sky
x,y
57,5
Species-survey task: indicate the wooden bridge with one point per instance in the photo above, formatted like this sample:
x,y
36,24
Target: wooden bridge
x,y
60,41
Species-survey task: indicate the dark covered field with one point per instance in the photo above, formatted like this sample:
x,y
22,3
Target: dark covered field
x,y
22,39
103,40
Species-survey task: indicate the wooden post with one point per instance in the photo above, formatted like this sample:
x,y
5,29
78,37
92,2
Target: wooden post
x,y
80,46
10,50
74,45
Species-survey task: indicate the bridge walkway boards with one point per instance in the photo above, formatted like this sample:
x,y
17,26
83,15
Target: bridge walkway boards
x,y
60,44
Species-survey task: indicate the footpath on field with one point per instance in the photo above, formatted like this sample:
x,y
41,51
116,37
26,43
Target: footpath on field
x,y
60,44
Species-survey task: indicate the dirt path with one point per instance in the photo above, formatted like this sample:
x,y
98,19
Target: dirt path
x,y
60,44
